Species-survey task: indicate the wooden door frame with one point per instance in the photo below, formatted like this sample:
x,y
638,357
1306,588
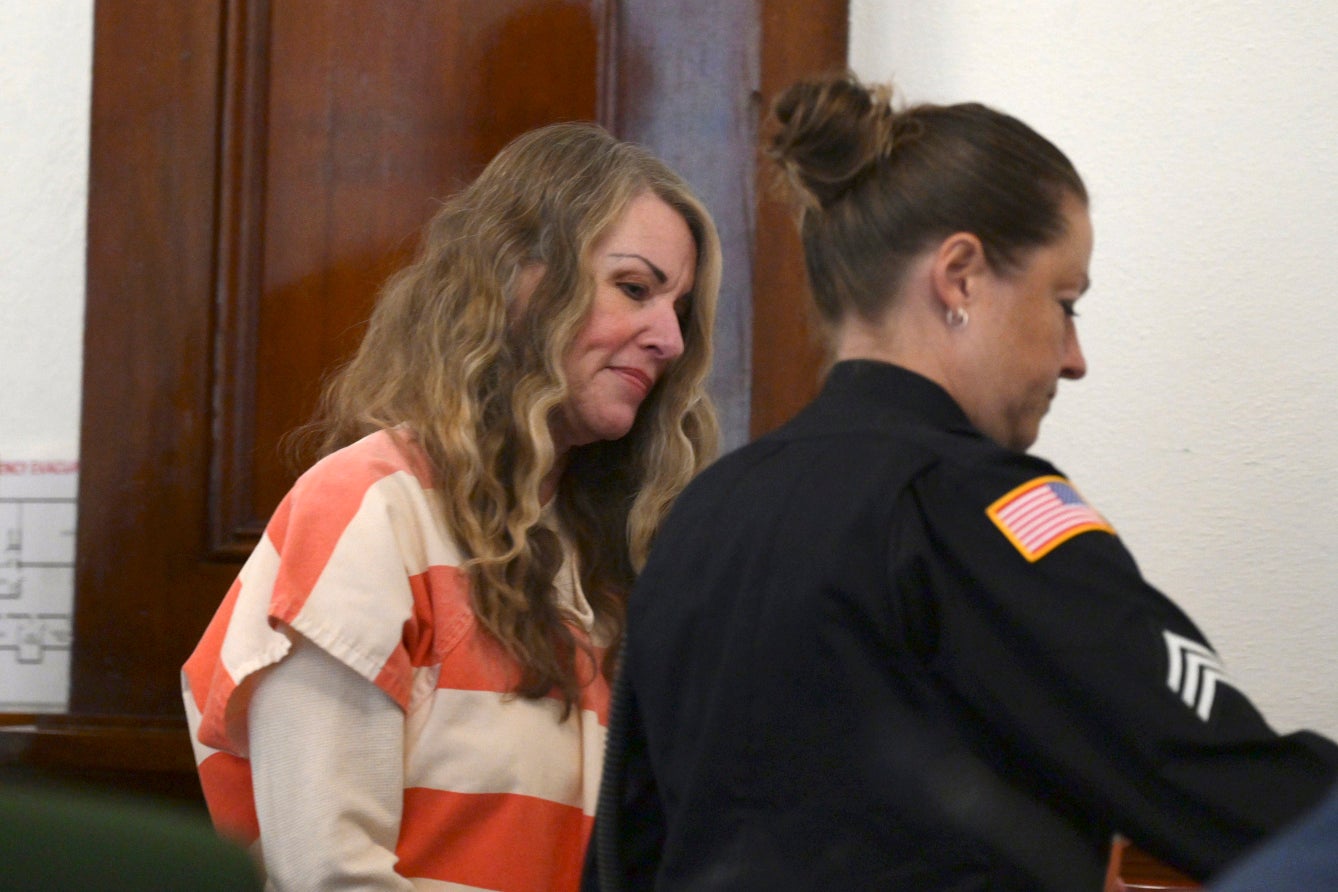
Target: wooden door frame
x,y
114,734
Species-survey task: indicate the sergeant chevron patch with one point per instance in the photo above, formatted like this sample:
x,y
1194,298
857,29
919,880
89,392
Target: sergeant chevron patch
x,y
1193,673
1042,514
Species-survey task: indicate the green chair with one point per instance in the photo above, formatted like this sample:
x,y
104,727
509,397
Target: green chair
x,y
56,838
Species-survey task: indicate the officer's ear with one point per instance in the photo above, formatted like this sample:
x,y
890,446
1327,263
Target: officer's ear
x,y
958,261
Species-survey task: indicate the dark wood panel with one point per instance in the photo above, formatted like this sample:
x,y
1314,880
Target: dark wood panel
x,y
140,592
798,38
362,116
1143,873
244,84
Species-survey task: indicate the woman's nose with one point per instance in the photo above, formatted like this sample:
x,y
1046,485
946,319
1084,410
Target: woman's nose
x,y
664,331
1075,363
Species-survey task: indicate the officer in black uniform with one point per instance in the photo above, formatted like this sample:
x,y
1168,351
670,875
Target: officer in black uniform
x,y
883,647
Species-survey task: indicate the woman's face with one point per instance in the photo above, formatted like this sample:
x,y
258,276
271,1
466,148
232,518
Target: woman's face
x,y
644,271
1021,337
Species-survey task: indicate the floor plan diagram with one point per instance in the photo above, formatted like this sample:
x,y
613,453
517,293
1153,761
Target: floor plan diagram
x,y
37,522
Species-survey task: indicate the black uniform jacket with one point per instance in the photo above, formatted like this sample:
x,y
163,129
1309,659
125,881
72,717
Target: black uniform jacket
x,y
875,650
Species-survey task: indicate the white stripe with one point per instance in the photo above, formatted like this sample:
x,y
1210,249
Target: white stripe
x,y
1055,519
250,643
1193,672
418,883
1210,678
1038,517
193,720
1189,690
1048,526
358,606
485,742
1178,645
1020,510
422,530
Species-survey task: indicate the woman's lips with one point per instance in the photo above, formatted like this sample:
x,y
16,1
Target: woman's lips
x,y
639,379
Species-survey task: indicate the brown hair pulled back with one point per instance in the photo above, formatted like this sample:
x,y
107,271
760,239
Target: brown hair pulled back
x,y
875,186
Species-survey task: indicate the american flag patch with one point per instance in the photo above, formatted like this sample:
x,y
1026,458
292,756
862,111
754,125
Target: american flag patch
x,y
1042,514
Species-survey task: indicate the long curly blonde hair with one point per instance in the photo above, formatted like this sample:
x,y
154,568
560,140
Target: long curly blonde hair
x,y
448,358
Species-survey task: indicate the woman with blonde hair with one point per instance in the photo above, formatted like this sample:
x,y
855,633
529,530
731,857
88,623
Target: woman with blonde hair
x,y
407,684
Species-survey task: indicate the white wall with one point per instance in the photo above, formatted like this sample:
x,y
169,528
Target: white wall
x,y
45,67
1206,427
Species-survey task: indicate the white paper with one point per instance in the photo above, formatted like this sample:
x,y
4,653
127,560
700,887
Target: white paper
x,y
38,501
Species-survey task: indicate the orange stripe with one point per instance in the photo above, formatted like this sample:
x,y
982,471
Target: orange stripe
x,y
1050,545
496,840
414,459
203,662
226,781
596,698
479,663
316,527
442,614
276,530
324,502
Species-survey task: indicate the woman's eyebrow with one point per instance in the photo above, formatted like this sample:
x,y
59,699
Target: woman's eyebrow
x,y
658,273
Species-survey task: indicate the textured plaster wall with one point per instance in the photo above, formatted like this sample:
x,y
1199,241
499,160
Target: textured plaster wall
x,y
1207,428
45,67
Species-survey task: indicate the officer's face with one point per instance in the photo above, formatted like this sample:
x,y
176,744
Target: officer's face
x,y
1023,323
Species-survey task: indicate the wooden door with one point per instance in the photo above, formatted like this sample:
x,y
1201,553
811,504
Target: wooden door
x,y
258,167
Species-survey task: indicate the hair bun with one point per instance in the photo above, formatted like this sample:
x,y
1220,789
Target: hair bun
x,y
829,132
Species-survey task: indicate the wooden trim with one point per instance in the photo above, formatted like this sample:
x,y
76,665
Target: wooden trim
x,y
151,244
234,530
145,755
797,39
1143,873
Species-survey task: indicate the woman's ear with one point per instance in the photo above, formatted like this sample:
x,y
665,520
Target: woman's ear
x,y
959,258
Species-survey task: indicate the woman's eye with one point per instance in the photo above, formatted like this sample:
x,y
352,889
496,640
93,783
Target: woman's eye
x,y
1070,309
634,290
